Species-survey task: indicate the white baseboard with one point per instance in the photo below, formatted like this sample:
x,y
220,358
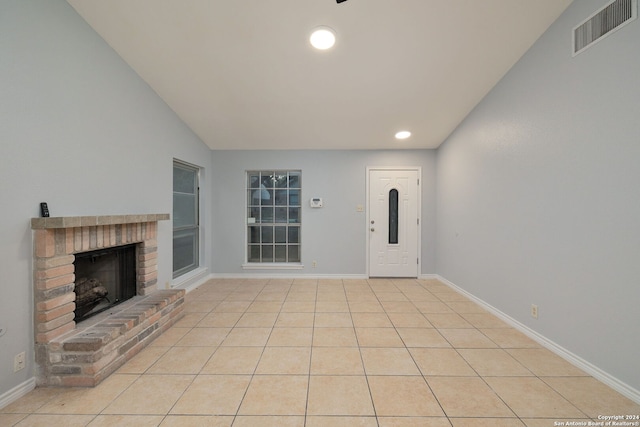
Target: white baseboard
x,y
191,280
288,276
17,392
613,382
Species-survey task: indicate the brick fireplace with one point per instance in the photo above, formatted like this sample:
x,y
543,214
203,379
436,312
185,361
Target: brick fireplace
x,y
83,354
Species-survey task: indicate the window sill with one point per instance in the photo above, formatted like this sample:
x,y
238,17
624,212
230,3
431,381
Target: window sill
x,y
272,266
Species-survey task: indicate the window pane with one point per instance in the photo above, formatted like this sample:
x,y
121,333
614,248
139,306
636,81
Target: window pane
x,y
294,253
267,234
294,233
294,197
253,235
254,253
253,213
294,180
267,253
393,217
254,179
185,250
280,197
281,235
184,210
267,179
267,215
281,253
184,180
281,214
281,180
294,215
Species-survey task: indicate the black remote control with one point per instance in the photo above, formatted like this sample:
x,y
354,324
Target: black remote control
x,y
44,210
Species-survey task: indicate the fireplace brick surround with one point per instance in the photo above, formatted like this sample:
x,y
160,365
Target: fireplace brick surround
x,y
84,354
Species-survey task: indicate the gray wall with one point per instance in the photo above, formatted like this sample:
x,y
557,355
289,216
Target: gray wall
x,y
81,131
539,195
335,235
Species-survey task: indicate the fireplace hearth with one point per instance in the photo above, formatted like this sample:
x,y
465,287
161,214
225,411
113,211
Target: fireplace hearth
x,y
88,322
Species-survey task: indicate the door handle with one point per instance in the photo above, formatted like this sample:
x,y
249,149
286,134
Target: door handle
x,y
373,229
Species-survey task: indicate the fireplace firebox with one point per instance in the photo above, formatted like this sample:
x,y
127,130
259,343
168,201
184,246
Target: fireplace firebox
x,y
104,278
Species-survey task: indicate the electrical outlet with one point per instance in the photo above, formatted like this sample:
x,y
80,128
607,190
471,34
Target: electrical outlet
x,y
534,311
314,264
19,362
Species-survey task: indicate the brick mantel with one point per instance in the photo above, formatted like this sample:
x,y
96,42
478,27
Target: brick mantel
x,y
56,241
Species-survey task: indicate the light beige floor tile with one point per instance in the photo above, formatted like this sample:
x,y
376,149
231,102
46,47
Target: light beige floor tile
x,y
403,396
484,320
447,320
593,397
88,400
388,361
422,337
494,362
331,296
334,337
336,361
213,395
365,307
413,422
232,307
247,337
488,422
257,320
371,320
126,421
143,360
190,320
203,337
362,297
467,397
544,363
233,361
409,320
275,395
466,307
197,421
220,320
295,320
399,307
166,390
449,296
546,422
298,307
48,420
264,307
390,296
418,296
285,360
290,337
333,421
339,395
169,337
378,337
200,306
432,307
510,338
33,400
441,362
333,320
332,306
301,296
530,398
269,421
182,360
271,297
467,338
11,419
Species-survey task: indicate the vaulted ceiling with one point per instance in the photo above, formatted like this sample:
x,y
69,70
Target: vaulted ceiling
x,y
242,74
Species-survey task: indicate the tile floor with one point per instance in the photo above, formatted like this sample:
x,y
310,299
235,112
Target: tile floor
x,y
331,353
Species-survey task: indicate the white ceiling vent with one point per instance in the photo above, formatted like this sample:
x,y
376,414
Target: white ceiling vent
x,y
605,21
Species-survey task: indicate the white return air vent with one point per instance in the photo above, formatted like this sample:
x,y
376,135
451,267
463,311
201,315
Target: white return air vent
x,y
605,21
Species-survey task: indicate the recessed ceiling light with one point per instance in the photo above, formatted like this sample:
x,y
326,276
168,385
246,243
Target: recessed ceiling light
x,y
404,134
323,38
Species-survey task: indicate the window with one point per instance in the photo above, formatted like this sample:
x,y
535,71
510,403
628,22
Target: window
x,y
273,216
186,228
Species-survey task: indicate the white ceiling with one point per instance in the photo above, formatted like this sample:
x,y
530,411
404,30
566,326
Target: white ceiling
x,y
242,75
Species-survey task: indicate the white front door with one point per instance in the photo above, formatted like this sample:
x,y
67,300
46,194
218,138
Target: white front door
x,y
393,222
